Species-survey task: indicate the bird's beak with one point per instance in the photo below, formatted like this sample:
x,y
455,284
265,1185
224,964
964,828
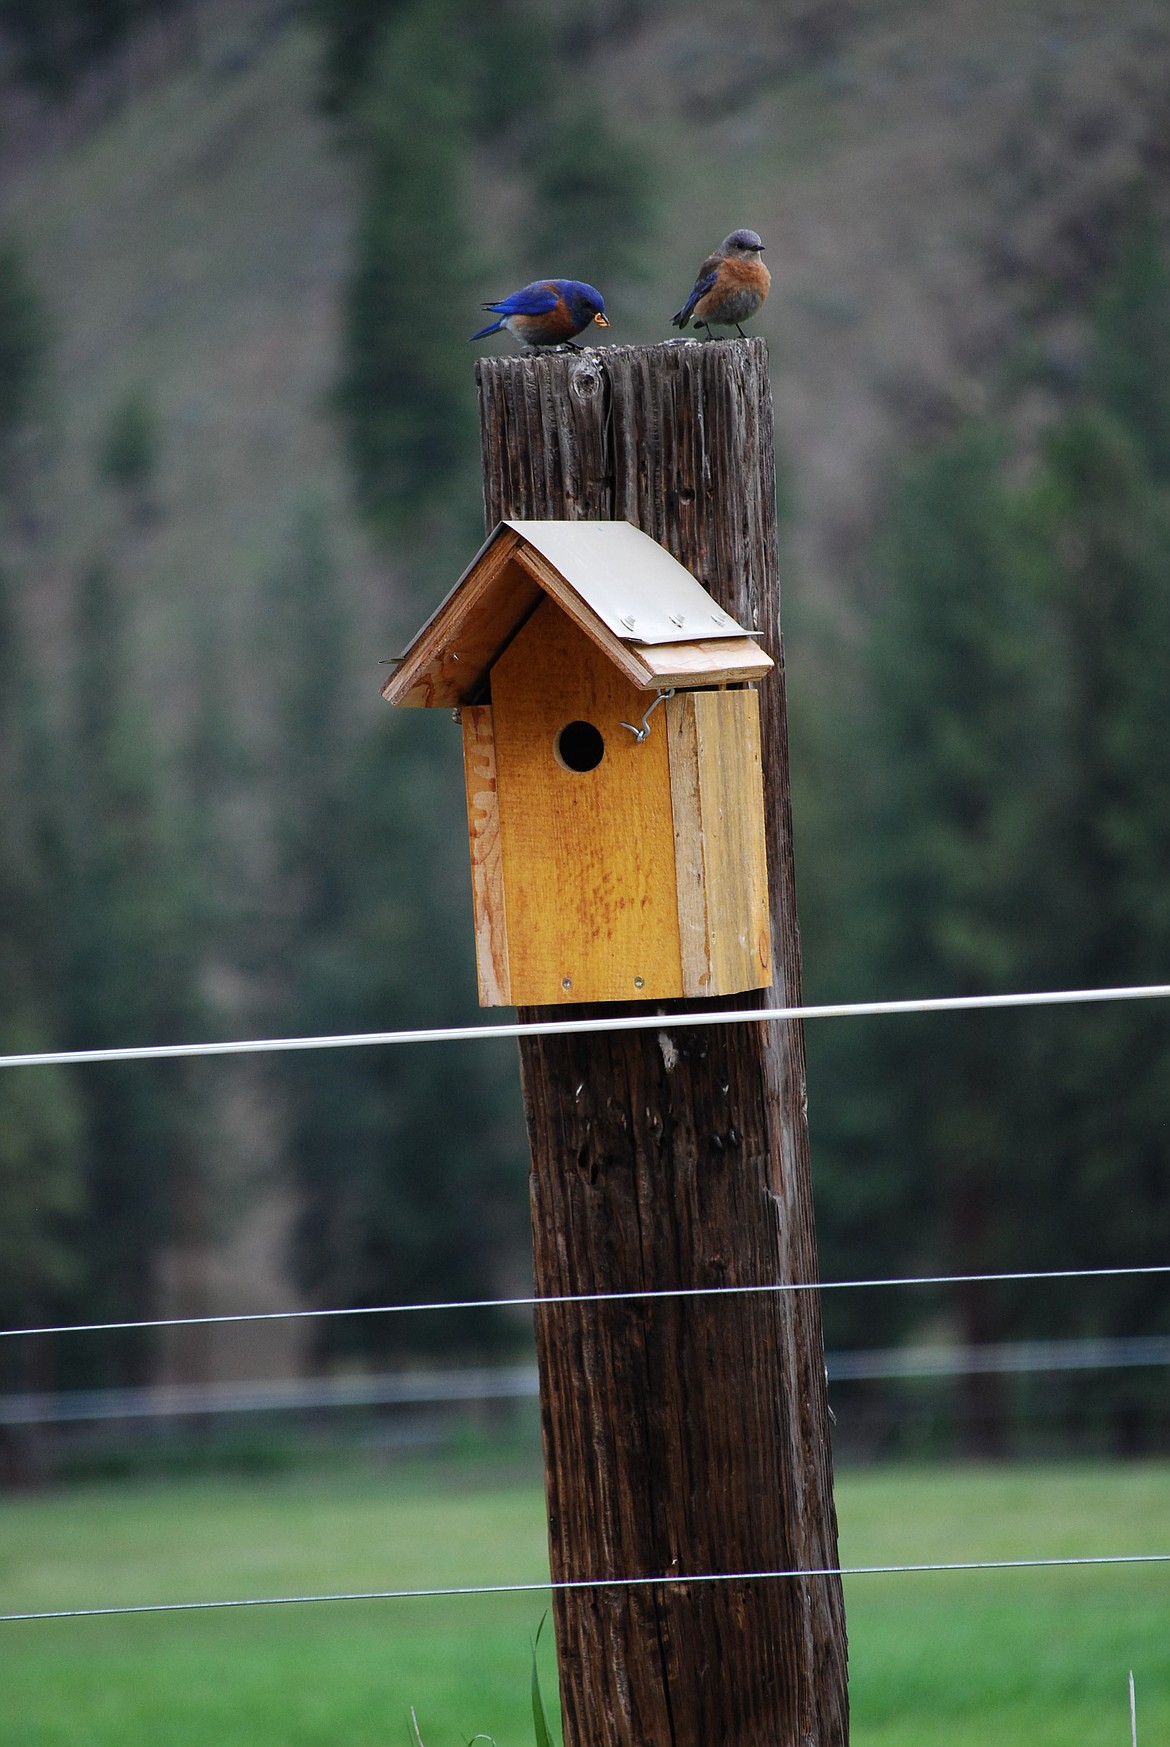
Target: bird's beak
x,y
600,320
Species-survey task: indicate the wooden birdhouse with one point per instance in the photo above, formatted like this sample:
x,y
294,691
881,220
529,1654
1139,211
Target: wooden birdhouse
x,y
611,742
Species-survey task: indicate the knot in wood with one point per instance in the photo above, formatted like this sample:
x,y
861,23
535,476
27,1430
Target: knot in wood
x,y
585,379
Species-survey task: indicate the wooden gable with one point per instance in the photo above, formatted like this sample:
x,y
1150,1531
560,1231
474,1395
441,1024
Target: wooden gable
x,y
655,622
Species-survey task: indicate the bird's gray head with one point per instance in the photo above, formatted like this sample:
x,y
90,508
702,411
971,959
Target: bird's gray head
x,y
742,243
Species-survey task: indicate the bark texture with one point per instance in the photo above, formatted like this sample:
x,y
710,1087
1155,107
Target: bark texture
x,y
680,1436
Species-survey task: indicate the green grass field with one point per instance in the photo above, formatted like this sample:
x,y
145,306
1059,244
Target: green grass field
x,y
1035,1657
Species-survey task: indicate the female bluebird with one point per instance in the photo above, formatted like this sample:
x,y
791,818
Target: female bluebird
x,y
730,287
548,313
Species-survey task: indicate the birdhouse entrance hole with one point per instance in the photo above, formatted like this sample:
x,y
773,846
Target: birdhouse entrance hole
x,y
579,746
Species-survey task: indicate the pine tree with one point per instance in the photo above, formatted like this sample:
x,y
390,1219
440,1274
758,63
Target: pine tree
x,y
131,977
408,1161
1103,1103
40,1174
406,392
952,755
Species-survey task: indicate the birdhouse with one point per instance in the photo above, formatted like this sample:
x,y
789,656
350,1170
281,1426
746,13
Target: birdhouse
x,y
611,745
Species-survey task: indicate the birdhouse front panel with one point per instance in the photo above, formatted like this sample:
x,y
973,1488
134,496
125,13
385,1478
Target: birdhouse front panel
x,y
585,824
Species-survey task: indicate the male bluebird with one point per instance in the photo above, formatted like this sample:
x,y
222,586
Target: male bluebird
x,y
730,287
548,313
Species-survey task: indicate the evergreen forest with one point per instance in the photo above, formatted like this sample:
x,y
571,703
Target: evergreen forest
x,y
211,831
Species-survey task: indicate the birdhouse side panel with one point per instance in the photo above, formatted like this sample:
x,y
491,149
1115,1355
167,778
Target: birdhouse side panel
x,y
716,780
489,907
586,832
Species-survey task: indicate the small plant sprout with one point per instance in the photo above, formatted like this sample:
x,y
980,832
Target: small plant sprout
x,y
540,1726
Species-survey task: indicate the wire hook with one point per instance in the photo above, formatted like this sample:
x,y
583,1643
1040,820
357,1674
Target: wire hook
x,y
641,733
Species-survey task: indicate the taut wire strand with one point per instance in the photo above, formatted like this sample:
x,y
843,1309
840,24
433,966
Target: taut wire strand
x,y
178,1607
551,1299
572,1027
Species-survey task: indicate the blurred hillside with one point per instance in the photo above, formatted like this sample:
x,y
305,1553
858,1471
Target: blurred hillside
x,y
191,238
258,235
939,186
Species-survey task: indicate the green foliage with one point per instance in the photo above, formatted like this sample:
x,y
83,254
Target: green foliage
x,y
443,84
496,56
129,975
350,33
409,1163
1100,1160
942,805
540,1728
406,389
57,40
40,1181
23,350
128,454
1130,373
1006,802
590,198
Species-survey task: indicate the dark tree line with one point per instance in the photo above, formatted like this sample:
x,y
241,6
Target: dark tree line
x,y
53,42
997,819
413,1173
986,805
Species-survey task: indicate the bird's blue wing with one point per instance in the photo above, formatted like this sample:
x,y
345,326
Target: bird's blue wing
x,y
700,288
531,300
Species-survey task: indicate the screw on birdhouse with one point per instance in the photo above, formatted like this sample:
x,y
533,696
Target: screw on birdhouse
x,y
642,733
566,982
639,982
627,619
677,619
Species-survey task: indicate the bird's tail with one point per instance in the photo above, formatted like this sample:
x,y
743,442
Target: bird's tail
x,y
682,316
483,332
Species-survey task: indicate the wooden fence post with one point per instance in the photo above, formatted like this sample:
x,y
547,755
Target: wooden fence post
x,y
681,1436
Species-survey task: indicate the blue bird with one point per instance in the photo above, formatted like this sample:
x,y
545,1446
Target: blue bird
x,y
547,313
730,286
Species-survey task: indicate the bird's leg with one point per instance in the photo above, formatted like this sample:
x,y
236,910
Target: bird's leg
x,y
740,331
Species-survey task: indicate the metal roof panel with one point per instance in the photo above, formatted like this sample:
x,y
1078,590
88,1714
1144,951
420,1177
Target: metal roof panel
x,y
634,586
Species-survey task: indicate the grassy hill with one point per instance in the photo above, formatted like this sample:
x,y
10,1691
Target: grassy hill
x,y
192,246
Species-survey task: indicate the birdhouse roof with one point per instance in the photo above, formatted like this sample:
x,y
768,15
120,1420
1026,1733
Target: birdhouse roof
x,y
656,622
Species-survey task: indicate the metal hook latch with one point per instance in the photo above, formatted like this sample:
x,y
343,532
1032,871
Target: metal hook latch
x,y
641,733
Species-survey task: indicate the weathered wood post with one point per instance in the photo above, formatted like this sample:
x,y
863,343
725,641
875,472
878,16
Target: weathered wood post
x,y
680,1435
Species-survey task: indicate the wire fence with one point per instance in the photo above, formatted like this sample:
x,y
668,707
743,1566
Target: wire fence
x,y
903,1362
